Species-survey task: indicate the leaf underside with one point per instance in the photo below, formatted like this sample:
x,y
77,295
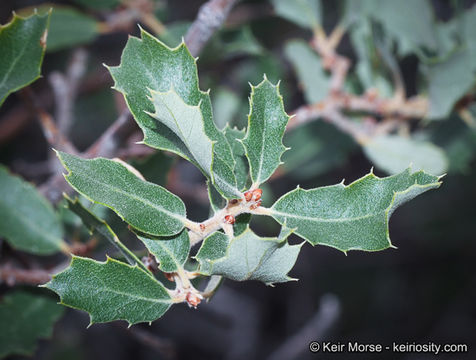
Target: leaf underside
x,y
352,217
248,257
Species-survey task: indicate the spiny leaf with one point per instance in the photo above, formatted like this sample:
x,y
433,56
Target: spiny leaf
x,y
147,63
352,217
25,318
95,224
23,43
248,257
266,124
233,135
27,221
171,252
111,290
394,153
147,207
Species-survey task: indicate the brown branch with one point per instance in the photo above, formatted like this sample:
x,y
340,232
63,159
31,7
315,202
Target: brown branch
x,y
11,275
210,18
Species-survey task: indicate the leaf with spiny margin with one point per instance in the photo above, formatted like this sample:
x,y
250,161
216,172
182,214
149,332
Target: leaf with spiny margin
x,y
394,153
145,206
352,217
111,290
171,252
248,257
27,221
305,13
264,137
25,318
186,122
147,63
95,224
234,136
23,43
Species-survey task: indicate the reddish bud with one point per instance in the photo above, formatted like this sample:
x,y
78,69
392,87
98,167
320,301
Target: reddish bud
x,y
229,219
248,195
169,276
202,227
193,299
234,201
257,194
254,206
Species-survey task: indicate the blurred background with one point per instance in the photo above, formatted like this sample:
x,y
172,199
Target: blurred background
x,y
423,291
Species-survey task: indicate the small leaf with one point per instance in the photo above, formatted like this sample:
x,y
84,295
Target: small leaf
x,y
248,257
69,28
352,217
95,224
27,220
234,136
310,73
171,253
147,207
266,124
25,318
448,82
393,154
23,43
305,13
148,64
111,290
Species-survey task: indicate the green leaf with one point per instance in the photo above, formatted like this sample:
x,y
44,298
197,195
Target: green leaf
x,y
310,73
148,64
171,253
248,257
111,290
27,220
99,5
469,29
25,318
69,28
95,224
234,137
448,82
352,217
23,42
147,207
305,13
393,153
410,22
266,124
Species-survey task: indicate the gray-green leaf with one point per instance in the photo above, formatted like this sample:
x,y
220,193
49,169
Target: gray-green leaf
x,y
266,124
111,290
248,257
305,13
171,252
148,64
25,318
147,207
352,217
22,44
393,154
307,65
27,220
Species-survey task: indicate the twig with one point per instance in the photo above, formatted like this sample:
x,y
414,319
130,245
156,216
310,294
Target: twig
x,y
65,89
11,275
210,17
316,329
